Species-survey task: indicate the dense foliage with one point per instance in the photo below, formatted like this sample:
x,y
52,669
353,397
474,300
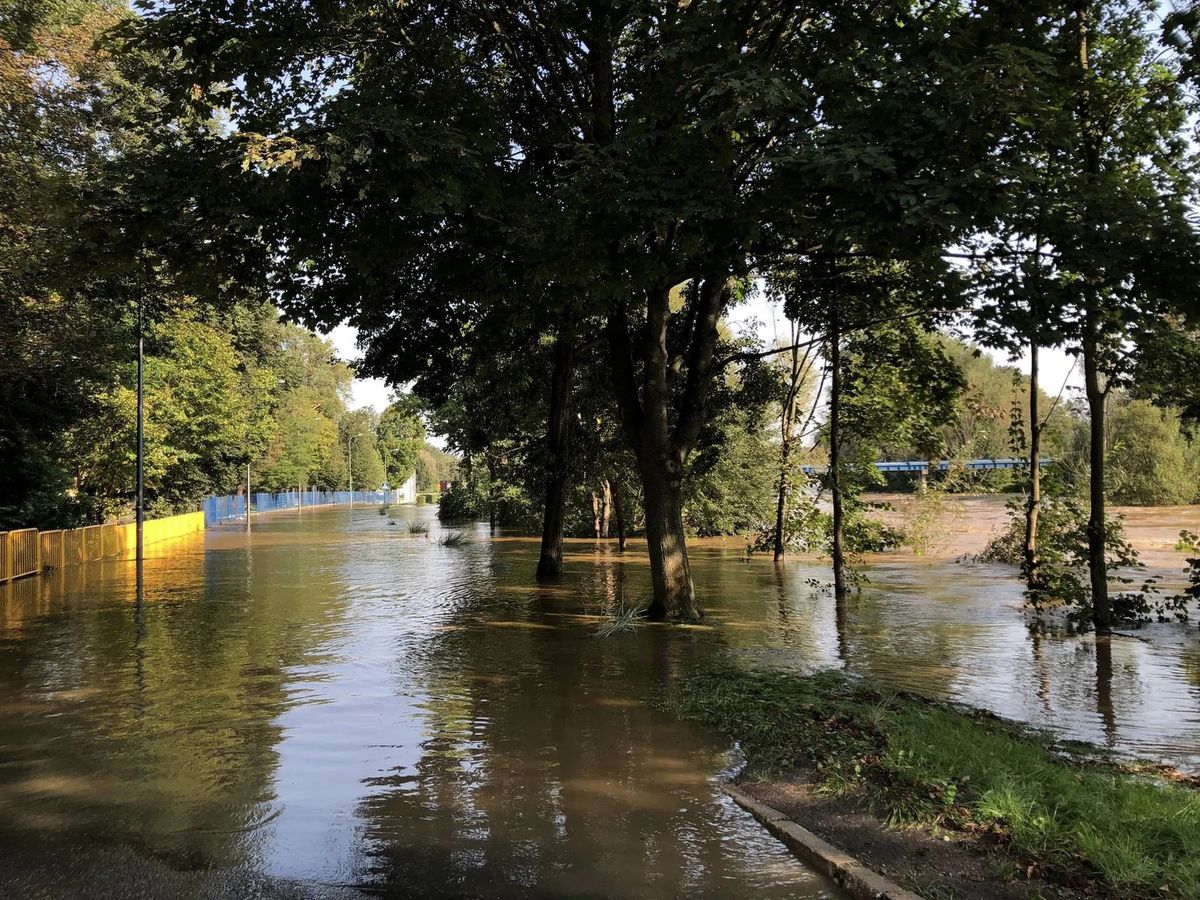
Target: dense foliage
x,y
540,217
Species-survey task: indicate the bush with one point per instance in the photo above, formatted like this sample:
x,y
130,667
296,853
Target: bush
x,y
1062,575
1151,461
463,501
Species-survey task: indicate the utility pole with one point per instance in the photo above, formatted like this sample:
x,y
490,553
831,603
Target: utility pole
x,y
350,464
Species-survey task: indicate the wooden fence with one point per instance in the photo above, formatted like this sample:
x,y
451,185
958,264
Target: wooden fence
x,y
29,551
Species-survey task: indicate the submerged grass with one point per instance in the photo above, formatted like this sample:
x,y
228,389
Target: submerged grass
x,y
916,761
415,527
453,539
628,617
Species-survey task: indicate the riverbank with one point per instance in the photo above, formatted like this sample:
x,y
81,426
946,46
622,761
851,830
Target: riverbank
x,y
951,802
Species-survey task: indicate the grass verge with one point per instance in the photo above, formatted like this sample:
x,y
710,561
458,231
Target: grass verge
x,y
914,761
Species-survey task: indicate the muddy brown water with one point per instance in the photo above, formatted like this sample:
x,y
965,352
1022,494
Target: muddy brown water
x,y
335,701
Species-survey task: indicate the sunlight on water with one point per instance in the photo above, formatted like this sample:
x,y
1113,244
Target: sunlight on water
x,y
335,700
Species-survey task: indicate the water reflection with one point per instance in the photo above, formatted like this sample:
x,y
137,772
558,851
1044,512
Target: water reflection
x,y
958,631
337,701
332,698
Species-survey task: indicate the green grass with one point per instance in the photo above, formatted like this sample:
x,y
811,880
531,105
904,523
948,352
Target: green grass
x,y
628,617
921,762
415,527
454,539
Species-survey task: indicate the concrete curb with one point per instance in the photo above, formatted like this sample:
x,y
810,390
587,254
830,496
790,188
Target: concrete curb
x,y
858,881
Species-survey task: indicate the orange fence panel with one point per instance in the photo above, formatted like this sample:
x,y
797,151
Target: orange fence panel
x,y
53,548
26,551
93,542
21,554
73,547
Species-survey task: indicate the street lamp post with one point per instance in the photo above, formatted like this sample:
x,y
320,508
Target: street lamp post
x,y
350,464
141,448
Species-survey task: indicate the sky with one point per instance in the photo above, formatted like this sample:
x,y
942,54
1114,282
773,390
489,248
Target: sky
x,y
757,312
1056,366
365,392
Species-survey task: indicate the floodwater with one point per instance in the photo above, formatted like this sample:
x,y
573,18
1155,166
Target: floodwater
x,y
337,703
334,703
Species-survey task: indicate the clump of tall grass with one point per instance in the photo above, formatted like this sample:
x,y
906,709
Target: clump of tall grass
x,y
628,617
453,539
415,527
383,509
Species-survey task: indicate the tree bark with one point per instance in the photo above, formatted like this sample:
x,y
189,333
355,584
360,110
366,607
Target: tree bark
x,y
492,476
595,515
605,507
619,515
558,447
785,451
1033,504
1097,527
835,474
670,569
661,466
1090,341
787,425
660,453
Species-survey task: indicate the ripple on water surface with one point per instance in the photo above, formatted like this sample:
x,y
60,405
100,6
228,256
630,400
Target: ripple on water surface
x,y
334,699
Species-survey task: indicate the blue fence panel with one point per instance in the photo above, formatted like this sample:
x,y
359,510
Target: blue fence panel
x,y
923,465
224,509
232,508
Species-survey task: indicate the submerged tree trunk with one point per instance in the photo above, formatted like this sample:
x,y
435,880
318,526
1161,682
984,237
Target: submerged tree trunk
x,y
645,417
787,426
493,472
670,569
618,514
1096,527
605,507
1090,346
558,449
1033,504
785,452
835,455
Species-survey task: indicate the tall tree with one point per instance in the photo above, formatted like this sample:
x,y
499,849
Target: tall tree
x,y
1101,144
401,438
433,167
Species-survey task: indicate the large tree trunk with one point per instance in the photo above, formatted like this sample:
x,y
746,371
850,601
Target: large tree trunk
x,y
835,457
670,570
1096,527
558,447
1033,504
645,418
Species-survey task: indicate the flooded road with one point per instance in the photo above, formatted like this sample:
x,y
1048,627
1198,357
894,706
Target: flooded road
x,y
335,701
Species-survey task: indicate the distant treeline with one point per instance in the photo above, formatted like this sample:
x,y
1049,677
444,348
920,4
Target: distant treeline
x,y
1154,456
222,390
